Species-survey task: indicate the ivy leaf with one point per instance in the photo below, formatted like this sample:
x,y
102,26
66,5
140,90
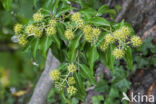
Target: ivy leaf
x,y
45,44
128,57
35,46
57,41
107,57
6,4
99,21
88,74
64,10
88,12
92,56
81,94
73,45
97,99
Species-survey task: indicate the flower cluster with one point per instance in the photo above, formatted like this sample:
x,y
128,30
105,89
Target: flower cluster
x,y
91,34
121,38
62,80
38,17
18,28
71,68
36,28
55,74
76,17
71,90
69,34
22,40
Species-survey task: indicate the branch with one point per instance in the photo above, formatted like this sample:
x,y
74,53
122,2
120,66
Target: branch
x,y
45,83
125,7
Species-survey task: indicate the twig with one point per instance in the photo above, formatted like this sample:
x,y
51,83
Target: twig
x,y
45,83
125,7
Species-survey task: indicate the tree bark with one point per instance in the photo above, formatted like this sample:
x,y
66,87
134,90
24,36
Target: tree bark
x,y
45,82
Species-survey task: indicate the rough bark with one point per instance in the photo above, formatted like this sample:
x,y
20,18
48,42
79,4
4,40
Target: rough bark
x,y
45,82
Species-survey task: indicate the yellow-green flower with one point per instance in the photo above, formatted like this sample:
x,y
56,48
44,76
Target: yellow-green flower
x,y
109,39
37,17
125,30
52,22
55,74
50,30
80,23
71,90
30,29
37,32
96,32
76,16
118,53
119,35
71,80
136,41
18,28
71,68
69,34
22,40
88,37
87,29
103,46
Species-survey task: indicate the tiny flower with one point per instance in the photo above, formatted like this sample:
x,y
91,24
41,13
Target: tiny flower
x,y
76,16
37,17
88,37
50,30
71,80
118,53
30,29
18,28
96,31
37,32
22,40
69,34
80,23
125,30
136,41
71,90
71,68
118,35
103,46
87,29
55,75
52,22
109,39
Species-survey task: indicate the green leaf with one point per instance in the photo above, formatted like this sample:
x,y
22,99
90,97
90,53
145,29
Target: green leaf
x,y
107,57
55,6
122,85
106,10
35,46
45,44
102,86
73,45
97,99
60,29
88,12
114,92
128,57
99,21
92,56
87,73
57,41
81,94
6,4
64,10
